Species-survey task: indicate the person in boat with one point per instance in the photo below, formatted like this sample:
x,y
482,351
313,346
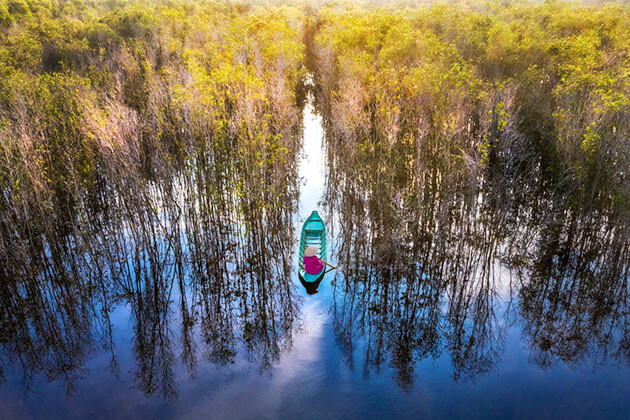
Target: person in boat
x,y
312,264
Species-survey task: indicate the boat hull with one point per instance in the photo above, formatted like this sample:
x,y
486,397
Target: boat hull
x,y
313,234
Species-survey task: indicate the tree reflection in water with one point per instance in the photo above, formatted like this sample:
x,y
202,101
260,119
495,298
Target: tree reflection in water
x,y
575,299
434,264
209,246
429,264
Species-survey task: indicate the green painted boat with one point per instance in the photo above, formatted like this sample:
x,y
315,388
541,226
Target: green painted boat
x,y
313,234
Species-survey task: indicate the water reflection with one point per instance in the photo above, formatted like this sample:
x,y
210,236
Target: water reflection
x,y
574,298
200,258
429,268
436,265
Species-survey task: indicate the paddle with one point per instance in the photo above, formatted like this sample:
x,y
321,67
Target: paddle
x,y
332,267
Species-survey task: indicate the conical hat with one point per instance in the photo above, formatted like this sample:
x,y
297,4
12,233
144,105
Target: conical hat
x,y
310,251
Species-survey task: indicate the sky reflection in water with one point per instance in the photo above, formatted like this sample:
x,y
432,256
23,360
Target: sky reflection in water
x,y
477,312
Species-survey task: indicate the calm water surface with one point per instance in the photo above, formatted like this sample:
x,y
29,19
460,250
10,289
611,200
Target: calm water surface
x,y
476,313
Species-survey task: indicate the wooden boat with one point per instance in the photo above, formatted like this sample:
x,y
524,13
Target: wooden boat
x,y
313,234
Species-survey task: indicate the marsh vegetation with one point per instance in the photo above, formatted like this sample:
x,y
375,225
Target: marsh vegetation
x,y
477,161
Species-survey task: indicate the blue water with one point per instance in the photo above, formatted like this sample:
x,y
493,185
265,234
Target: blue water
x,y
317,376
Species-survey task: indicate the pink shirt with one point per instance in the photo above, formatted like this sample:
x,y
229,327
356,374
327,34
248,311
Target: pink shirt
x,y
313,265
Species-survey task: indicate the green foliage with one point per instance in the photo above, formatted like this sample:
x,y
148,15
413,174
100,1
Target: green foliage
x,y
462,87
96,89
94,95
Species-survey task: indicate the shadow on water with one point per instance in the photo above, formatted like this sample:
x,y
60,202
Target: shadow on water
x,y
311,286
